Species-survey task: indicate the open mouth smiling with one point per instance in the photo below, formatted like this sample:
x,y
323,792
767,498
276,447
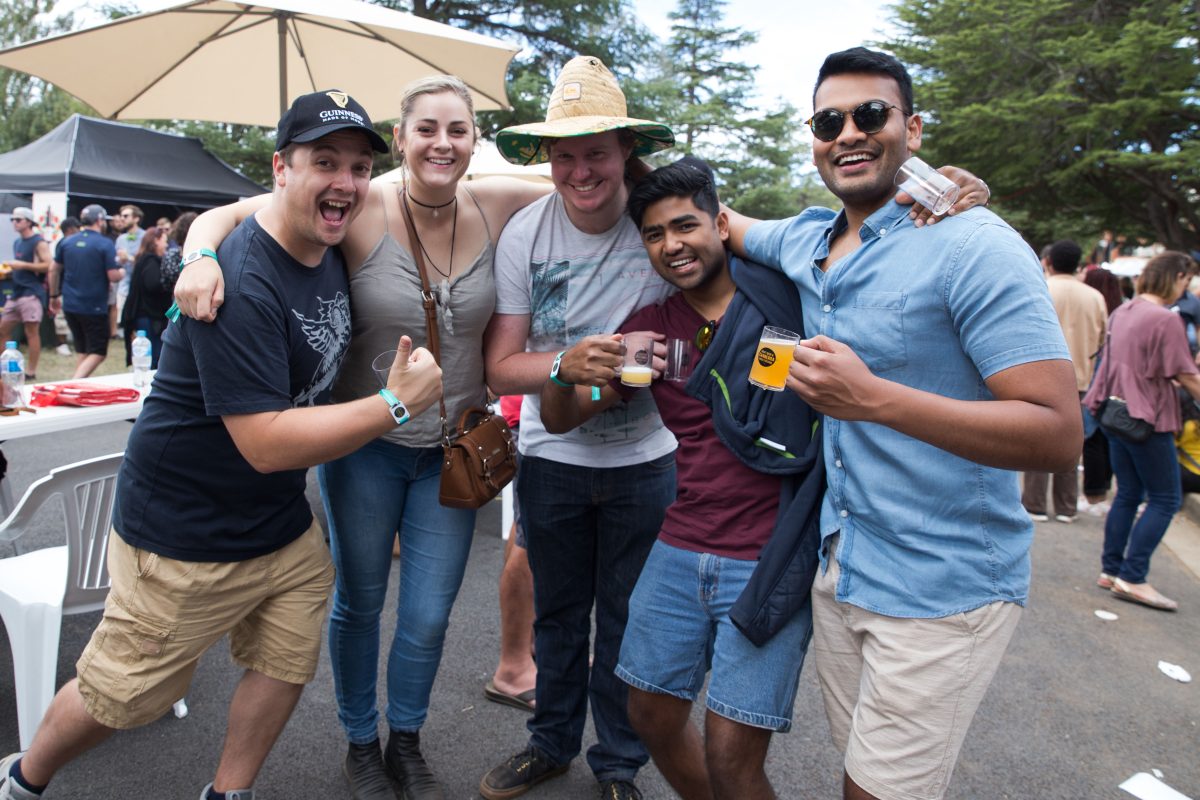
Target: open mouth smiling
x,y
334,210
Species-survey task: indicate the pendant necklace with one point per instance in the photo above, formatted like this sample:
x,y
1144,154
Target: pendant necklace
x,y
433,208
453,233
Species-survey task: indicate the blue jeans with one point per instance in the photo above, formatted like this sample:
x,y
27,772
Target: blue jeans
x,y
588,532
369,495
1146,471
679,631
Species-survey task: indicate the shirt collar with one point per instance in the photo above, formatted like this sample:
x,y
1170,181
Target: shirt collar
x,y
891,216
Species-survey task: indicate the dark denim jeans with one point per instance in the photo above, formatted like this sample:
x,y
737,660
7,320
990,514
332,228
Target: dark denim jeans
x,y
1146,471
588,532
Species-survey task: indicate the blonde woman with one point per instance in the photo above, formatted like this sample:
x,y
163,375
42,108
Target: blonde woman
x,y
391,484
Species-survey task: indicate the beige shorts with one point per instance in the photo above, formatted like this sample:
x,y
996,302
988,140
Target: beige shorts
x,y
901,693
162,615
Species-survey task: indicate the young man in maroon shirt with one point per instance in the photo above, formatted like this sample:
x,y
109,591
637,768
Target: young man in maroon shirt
x,y
679,624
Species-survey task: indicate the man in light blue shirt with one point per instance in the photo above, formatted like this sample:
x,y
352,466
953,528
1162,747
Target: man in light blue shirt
x,y
939,363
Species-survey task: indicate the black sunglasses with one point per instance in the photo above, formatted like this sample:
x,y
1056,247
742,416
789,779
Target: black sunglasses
x,y
704,335
869,117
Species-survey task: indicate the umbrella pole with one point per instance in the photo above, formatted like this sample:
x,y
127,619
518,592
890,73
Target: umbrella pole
x,y
281,26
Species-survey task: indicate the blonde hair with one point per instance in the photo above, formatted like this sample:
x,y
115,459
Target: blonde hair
x,y
434,84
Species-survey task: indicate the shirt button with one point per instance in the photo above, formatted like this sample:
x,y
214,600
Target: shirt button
x,y
827,308
844,513
883,231
838,463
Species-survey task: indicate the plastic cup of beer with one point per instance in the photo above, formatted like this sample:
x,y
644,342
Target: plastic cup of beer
x,y
927,186
773,357
637,369
679,360
382,366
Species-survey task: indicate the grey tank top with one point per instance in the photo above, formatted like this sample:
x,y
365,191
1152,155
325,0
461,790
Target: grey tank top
x,y
385,302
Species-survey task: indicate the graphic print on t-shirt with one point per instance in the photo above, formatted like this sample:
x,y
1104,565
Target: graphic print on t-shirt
x,y
548,300
329,335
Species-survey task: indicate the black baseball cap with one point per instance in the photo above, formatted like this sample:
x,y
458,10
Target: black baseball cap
x,y
312,116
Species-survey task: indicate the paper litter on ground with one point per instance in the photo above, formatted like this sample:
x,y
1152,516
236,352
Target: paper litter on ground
x,y
1145,786
1174,671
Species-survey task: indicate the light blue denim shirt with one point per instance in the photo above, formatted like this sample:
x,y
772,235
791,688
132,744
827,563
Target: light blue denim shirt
x,y
924,533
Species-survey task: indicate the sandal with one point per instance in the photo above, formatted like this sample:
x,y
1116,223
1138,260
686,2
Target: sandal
x,y
1143,593
1105,581
524,701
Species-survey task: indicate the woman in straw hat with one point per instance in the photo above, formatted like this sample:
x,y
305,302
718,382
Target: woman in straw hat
x,y
391,485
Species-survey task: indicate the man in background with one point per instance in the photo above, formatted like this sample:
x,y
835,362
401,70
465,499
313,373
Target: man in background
x,y
26,298
79,286
1084,319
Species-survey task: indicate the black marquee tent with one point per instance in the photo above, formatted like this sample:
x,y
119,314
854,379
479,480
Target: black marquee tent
x,y
97,160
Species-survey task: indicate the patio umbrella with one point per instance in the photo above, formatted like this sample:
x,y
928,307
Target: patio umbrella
x,y
243,62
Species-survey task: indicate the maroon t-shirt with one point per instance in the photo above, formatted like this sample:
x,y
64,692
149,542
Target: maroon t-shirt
x,y
721,505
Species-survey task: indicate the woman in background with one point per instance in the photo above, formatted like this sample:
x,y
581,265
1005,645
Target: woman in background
x,y
146,306
1146,351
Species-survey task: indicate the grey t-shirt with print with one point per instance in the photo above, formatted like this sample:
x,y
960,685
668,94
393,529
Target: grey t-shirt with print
x,y
575,284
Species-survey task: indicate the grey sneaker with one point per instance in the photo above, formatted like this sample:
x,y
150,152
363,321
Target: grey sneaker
x,y
232,794
9,790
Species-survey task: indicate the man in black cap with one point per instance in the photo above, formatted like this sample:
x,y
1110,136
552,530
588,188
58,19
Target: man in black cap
x,y
212,532
79,287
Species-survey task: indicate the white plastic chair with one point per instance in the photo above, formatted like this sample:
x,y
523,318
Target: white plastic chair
x,y
39,587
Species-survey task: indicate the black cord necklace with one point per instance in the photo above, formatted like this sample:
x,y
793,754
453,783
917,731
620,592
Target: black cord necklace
x,y
433,208
417,236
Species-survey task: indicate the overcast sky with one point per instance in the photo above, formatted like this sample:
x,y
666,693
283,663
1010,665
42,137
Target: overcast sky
x,y
793,38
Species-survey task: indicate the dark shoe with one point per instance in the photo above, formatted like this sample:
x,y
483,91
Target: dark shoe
x,y
619,790
365,773
519,774
407,767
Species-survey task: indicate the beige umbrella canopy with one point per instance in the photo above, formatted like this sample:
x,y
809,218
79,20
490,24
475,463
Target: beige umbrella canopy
x,y
243,62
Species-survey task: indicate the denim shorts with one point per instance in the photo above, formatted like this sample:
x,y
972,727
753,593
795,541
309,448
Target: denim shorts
x,y
679,629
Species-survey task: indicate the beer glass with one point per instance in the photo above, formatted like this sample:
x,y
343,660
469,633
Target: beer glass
x,y
637,370
382,366
679,360
927,186
773,357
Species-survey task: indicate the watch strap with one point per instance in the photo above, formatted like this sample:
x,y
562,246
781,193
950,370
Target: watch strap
x,y
554,371
394,403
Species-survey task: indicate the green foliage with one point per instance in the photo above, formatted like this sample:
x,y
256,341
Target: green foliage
x,y
758,158
30,107
1081,115
553,32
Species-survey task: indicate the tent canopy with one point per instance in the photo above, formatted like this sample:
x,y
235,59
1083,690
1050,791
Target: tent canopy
x,y
112,160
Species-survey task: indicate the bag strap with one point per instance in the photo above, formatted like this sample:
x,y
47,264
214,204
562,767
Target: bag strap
x,y
427,300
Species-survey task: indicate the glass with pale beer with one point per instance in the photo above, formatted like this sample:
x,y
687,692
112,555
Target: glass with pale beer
x,y
637,368
773,357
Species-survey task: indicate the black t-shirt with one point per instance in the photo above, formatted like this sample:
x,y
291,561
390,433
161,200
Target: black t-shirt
x,y
184,490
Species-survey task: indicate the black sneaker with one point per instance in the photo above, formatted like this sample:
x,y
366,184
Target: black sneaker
x,y
619,790
365,773
519,774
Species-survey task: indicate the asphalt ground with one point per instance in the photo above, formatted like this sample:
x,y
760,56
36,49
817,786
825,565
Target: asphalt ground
x,y
1078,704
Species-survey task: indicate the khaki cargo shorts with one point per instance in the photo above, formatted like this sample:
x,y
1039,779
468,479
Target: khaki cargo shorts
x,y
162,615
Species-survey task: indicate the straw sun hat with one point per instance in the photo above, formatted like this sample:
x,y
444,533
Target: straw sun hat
x,y
586,100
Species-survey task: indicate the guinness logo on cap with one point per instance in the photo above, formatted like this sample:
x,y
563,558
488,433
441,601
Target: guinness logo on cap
x,y
341,98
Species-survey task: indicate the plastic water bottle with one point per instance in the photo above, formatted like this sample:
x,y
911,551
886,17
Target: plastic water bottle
x,y
141,360
12,369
